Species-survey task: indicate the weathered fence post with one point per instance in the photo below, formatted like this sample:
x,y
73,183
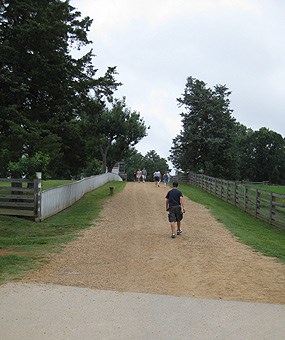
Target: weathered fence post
x,y
235,193
245,198
228,189
271,208
257,202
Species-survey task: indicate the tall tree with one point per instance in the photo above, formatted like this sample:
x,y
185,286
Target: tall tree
x,y
207,140
264,156
43,87
112,132
153,162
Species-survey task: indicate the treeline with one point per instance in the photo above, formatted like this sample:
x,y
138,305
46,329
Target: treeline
x,y
214,143
151,162
56,115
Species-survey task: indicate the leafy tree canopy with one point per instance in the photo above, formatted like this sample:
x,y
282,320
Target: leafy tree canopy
x,y
112,132
264,156
28,166
44,89
206,142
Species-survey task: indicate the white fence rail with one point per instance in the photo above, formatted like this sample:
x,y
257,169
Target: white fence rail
x,y
57,199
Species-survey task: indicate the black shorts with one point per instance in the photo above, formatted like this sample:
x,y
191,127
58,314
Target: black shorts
x,y
175,214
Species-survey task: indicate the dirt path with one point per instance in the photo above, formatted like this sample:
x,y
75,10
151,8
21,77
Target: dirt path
x,y
129,249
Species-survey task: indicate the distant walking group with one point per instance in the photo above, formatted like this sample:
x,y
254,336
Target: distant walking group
x,y
140,176
157,178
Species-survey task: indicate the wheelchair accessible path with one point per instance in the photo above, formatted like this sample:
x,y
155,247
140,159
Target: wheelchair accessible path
x,y
125,278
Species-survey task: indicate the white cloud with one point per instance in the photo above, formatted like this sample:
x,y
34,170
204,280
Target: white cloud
x,y
118,15
157,44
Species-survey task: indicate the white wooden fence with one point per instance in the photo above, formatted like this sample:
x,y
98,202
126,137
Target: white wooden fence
x,y
54,200
21,197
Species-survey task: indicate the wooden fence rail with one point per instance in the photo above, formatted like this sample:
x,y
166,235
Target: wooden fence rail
x,y
268,206
19,197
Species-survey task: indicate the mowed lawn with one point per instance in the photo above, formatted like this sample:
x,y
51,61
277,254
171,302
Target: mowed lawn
x,y
278,189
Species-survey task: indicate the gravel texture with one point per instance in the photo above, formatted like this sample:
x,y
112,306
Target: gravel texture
x,y
129,249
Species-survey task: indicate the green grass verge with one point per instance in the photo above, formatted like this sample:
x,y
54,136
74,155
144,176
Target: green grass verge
x,y
259,235
25,244
46,184
278,189
52,183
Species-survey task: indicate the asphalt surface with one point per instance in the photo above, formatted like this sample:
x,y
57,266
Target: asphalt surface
x,y
30,311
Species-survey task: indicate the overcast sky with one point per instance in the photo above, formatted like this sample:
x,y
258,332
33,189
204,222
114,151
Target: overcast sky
x,y
157,44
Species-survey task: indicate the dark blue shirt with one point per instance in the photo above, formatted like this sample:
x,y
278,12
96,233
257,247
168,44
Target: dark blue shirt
x,y
173,197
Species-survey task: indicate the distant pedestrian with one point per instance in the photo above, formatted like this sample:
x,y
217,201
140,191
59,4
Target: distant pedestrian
x,y
144,174
175,208
157,177
138,175
166,179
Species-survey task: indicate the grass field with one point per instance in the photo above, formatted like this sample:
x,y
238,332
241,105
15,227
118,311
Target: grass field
x,y
45,184
25,244
54,183
278,189
259,235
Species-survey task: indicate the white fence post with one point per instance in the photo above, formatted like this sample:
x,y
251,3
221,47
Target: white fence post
x,y
38,194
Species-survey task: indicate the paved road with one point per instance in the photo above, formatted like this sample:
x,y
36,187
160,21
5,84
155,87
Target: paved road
x,y
30,311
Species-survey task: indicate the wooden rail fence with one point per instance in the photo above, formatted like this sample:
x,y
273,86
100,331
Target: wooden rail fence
x,y
20,197
265,205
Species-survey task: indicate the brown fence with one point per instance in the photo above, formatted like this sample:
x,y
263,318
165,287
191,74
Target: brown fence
x,y
268,206
19,197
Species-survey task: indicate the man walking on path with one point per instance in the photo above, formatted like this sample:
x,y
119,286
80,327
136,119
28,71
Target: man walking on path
x,y
175,208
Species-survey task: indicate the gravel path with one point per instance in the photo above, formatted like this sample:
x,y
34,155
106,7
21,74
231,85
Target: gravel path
x,y
129,249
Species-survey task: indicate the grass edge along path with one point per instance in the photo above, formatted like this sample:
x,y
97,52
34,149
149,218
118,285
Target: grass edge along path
x,y
259,235
25,244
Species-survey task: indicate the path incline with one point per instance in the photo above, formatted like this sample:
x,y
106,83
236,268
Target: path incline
x,y
130,250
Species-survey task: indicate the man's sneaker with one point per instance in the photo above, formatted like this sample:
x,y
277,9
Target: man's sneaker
x,y
173,235
179,231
